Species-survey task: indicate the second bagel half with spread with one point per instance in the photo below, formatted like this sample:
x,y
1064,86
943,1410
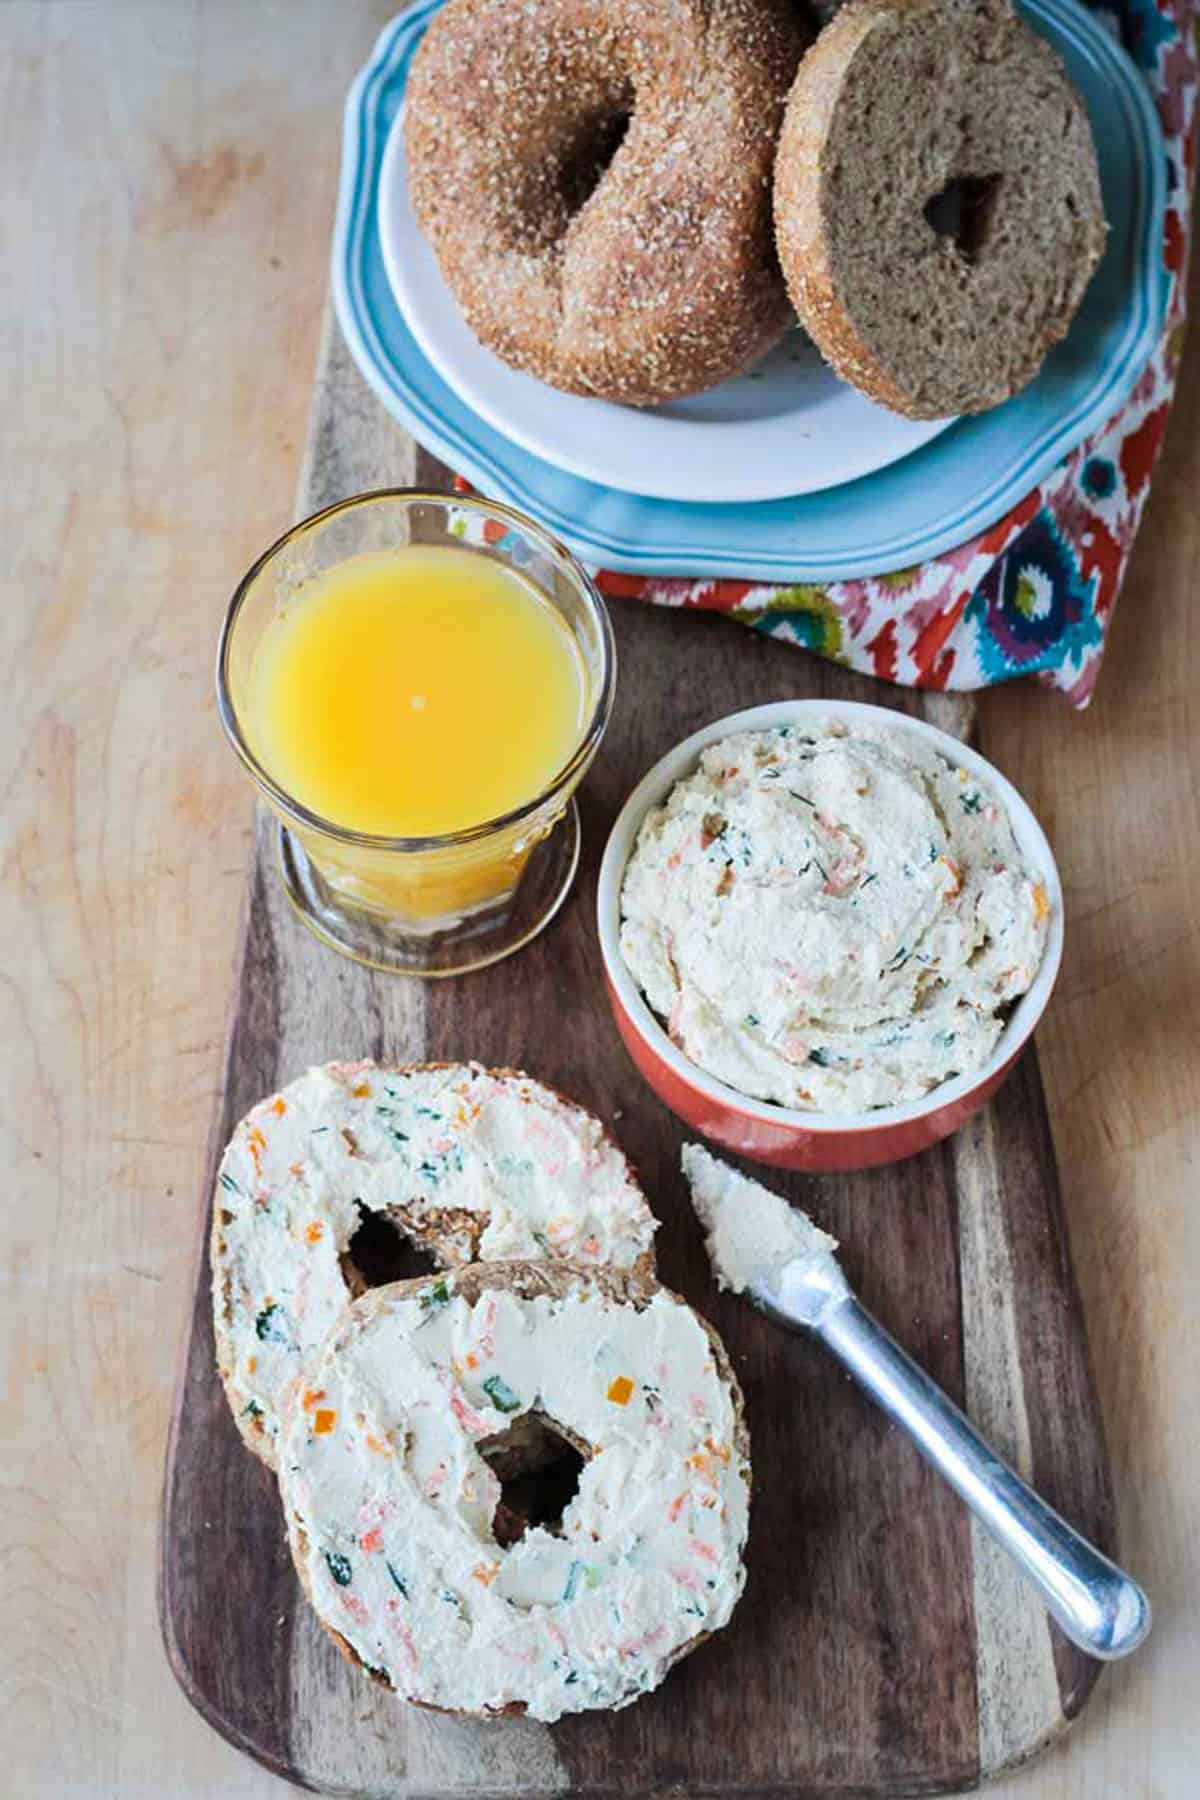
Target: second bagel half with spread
x,y
421,1472
595,179
937,201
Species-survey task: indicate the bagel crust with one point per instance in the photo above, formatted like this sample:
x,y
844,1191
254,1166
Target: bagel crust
x,y
900,107
595,179
392,1499
468,1164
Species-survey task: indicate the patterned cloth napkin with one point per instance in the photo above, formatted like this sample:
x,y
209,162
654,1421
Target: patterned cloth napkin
x,y
1035,593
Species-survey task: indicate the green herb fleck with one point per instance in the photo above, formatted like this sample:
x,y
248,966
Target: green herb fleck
x,y
570,1678
972,802
542,1242
339,1567
866,881
228,1183
574,1574
253,1408
822,1058
500,1394
400,1583
317,1130
803,799
653,1397
433,1297
750,1021
270,1327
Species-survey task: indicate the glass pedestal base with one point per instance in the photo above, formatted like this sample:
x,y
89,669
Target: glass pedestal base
x,y
453,948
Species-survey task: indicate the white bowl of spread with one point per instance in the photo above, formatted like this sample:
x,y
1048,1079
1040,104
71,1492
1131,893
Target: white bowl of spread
x,y
827,941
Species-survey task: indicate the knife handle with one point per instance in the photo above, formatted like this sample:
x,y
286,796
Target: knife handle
x,y
1098,1606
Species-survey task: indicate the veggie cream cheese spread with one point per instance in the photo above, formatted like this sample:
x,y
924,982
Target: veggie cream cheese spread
x,y
831,919
472,1166
390,1503
750,1233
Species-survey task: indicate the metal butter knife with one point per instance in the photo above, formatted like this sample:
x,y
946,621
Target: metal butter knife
x,y
772,1252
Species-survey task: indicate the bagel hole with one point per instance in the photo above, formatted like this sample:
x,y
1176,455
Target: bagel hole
x,y
380,1252
963,212
590,152
538,1465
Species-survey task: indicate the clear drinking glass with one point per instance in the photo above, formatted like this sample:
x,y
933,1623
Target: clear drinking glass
x,y
422,905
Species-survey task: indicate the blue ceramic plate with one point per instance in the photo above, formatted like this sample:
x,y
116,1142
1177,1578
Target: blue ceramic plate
x,y
934,499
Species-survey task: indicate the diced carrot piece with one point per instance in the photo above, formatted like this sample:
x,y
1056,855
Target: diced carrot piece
x,y
311,1397
362,1091
324,1420
280,1106
620,1391
371,1540
314,1231
1041,902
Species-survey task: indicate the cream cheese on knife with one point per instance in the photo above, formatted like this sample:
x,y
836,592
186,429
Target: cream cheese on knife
x,y
751,1235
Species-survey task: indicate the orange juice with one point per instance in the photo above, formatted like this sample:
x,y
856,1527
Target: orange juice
x,y
417,691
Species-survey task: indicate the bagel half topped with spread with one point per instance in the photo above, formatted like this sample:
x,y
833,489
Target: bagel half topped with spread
x,y
466,1163
422,1476
937,201
594,177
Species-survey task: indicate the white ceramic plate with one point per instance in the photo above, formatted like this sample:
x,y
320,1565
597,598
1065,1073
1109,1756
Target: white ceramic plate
x,y
788,427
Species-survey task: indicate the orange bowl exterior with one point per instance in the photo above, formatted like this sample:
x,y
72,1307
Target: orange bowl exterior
x,y
789,1146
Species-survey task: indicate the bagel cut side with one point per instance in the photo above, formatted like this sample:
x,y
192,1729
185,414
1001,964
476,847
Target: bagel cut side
x,y
397,1470
594,177
937,202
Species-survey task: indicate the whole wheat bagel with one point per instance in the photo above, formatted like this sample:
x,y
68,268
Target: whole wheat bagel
x,y
594,177
430,1399
468,1164
937,201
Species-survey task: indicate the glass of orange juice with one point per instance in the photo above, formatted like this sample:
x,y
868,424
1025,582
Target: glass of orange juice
x,y
417,683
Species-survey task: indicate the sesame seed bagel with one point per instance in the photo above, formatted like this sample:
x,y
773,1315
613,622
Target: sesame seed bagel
x,y
468,1164
432,1404
937,201
595,179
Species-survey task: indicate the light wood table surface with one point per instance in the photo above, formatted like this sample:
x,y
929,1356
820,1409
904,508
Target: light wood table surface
x,y
167,175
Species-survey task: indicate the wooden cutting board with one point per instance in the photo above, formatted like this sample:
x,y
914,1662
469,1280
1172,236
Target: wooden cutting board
x,y
882,1646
